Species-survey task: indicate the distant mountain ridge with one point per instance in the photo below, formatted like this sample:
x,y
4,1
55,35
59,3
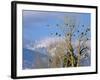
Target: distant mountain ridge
x,y
31,58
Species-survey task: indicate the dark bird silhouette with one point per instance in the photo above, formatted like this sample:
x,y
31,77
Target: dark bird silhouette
x,y
67,24
88,29
59,34
57,24
87,39
73,26
82,25
56,33
78,31
67,34
82,33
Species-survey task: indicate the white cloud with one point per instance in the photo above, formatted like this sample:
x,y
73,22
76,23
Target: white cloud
x,y
50,43
46,42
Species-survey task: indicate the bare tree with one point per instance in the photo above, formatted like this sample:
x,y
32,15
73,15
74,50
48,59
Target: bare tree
x,y
76,36
57,52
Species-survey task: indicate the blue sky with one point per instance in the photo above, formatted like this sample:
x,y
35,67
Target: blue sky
x,y
40,24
